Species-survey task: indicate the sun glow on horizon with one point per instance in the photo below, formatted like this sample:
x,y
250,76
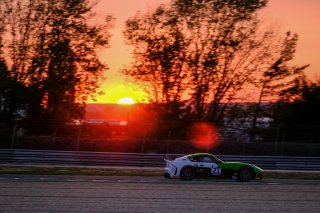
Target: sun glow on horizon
x,y
126,101
114,90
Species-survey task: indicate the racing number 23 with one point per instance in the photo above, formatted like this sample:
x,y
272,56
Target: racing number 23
x,y
215,170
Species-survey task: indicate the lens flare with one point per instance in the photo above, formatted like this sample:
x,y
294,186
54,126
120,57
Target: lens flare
x,y
203,135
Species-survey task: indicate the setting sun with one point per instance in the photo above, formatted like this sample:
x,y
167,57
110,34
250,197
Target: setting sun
x,y
126,101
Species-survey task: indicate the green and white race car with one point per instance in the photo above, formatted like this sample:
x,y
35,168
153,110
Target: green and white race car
x,y
190,166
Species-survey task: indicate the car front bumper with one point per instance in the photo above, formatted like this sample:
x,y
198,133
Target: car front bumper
x,y
259,176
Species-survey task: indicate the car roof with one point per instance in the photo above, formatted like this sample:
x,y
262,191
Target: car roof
x,y
200,154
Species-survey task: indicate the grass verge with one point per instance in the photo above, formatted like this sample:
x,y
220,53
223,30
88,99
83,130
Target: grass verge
x,y
70,170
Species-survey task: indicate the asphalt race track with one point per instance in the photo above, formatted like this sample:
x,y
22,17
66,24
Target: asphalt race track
x,y
32,193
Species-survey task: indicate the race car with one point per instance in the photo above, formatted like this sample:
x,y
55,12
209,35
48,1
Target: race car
x,y
190,166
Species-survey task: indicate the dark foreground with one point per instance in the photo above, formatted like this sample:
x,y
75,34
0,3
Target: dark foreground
x,y
32,193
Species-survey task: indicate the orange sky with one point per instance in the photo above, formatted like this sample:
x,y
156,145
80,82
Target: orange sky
x,y
299,16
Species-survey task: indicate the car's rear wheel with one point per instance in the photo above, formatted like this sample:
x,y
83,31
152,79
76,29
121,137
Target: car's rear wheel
x,y
245,174
187,173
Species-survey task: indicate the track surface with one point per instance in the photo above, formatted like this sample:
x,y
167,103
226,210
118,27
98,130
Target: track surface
x,y
32,193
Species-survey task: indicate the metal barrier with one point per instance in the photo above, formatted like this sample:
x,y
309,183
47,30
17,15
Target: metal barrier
x,y
20,156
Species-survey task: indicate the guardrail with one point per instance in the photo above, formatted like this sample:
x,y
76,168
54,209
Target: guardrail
x,y
21,156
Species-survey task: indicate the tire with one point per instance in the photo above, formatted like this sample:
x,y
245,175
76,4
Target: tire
x,y
187,173
245,174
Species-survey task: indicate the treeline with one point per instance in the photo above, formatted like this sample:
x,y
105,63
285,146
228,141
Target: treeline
x,y
195,59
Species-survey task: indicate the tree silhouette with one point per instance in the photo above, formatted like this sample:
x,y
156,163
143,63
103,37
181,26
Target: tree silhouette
x,y
205,50
205,53
51,48
297,113
277,78
11,97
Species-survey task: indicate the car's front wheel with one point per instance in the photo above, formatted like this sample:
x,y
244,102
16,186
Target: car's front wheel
x,y
245,174
187,173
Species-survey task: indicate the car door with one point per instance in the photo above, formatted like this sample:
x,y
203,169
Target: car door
x,y
209,165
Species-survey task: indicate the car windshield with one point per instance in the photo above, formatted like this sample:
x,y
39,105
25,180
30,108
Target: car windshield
x,y
218,160
181,158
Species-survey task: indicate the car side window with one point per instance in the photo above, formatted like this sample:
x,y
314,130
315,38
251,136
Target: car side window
x,y
194,159
206,159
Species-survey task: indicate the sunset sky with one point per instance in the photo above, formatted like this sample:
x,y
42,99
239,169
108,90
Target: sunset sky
x,y
298,16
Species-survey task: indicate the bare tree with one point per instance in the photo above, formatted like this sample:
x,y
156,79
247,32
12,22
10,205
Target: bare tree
x,y
159,50
51,48
278,77
204,50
